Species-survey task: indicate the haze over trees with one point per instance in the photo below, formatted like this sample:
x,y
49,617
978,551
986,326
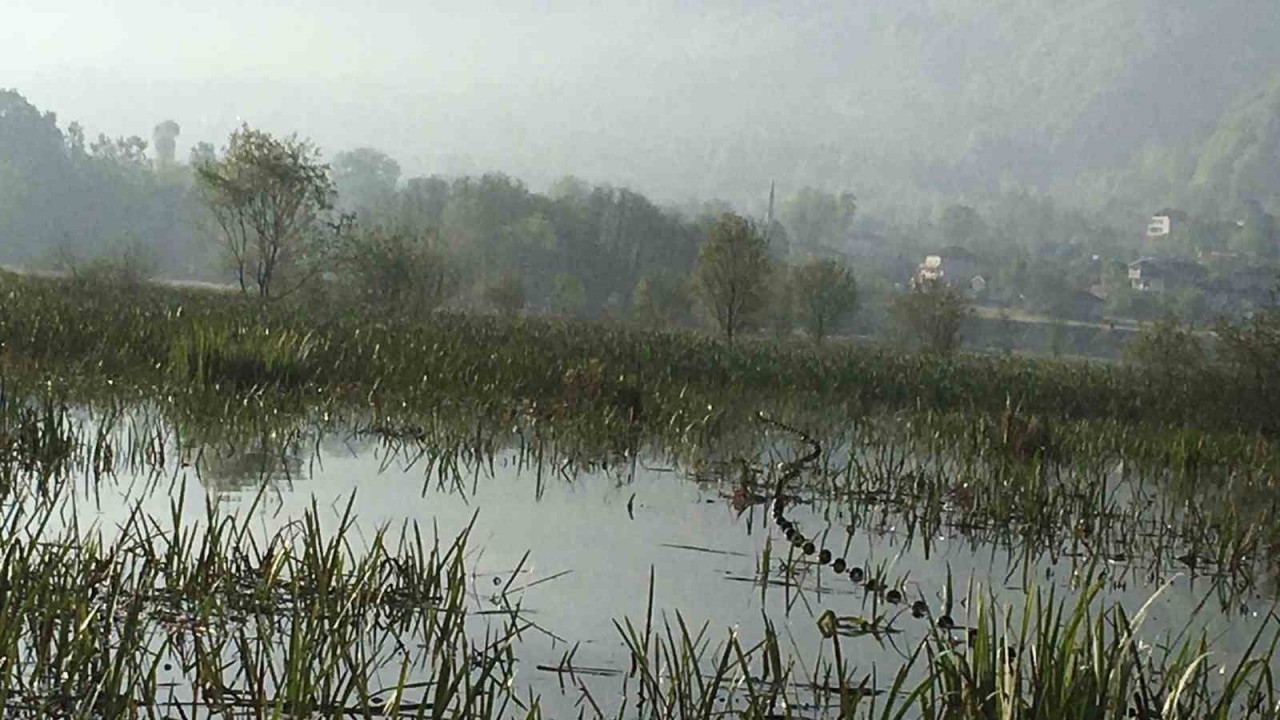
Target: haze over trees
x,y
1026,146
63,194
912,102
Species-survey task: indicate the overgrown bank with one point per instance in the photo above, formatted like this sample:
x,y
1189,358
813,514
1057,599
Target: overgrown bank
x,y
183,341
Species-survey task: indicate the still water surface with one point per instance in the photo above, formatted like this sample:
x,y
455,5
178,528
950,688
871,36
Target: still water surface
x,y
585,544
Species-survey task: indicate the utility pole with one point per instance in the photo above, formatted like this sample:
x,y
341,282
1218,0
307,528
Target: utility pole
x,y
768,220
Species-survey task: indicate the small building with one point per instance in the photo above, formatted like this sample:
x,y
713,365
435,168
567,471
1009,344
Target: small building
x,y
931,269
1160,226
955,266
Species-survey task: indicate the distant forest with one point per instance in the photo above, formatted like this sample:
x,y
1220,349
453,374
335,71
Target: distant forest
x,y
592,250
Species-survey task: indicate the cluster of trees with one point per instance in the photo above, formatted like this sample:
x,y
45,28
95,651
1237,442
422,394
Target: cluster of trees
x,y
64,197
355,229
282,222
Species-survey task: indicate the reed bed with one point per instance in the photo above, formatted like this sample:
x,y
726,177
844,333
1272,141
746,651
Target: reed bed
x,y
187,341
1144,474
210,619
1051,658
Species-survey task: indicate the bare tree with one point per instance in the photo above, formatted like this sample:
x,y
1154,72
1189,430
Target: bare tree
x,y
271,200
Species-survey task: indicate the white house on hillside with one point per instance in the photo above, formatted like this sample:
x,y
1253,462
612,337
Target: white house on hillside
x,y
1160,226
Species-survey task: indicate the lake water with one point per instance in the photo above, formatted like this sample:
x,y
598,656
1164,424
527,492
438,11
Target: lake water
x,y
586,543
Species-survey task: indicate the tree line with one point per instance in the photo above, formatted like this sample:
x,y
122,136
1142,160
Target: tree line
x,y
286,221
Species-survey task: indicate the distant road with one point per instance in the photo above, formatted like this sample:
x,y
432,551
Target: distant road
x,y
987,312
1022,316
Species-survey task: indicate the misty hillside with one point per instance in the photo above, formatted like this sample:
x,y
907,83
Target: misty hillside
x,y
905,102
1036,92
1241,159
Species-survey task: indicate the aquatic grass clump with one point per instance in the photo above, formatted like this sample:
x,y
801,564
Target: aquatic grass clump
x,y
240,358
1055,658
1064,659
213,619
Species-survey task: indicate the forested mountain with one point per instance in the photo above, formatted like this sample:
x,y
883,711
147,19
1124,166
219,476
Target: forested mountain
x,y
976,95
1240,161
909,102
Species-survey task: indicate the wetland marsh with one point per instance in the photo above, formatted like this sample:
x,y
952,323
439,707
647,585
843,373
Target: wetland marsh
x,y
287,512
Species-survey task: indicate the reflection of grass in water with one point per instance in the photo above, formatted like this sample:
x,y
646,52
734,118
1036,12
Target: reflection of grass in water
x,y
299,622
920,476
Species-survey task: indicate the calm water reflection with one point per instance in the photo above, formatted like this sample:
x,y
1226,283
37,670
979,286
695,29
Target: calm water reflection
x,y
592,539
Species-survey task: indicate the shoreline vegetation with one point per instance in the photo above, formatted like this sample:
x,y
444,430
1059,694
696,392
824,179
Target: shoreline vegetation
x,y
1019,449
179,340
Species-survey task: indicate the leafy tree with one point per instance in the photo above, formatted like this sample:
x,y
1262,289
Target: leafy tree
x,y
825,294
1260,235
1253,347
567,295
34,167
780,304
394,270
660,300
365,178
730,274
270,199
933,312
421,202
817,218
1166,347
130,152
165,137
201,153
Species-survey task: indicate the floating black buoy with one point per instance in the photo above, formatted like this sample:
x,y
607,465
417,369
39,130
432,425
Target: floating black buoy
x,y
809,548
790,532
799,540
838,566
824,557
946,623
784,524
919,608
856,574
894,596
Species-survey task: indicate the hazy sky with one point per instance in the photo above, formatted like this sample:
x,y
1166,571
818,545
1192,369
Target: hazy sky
x,y
674,98
565,86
